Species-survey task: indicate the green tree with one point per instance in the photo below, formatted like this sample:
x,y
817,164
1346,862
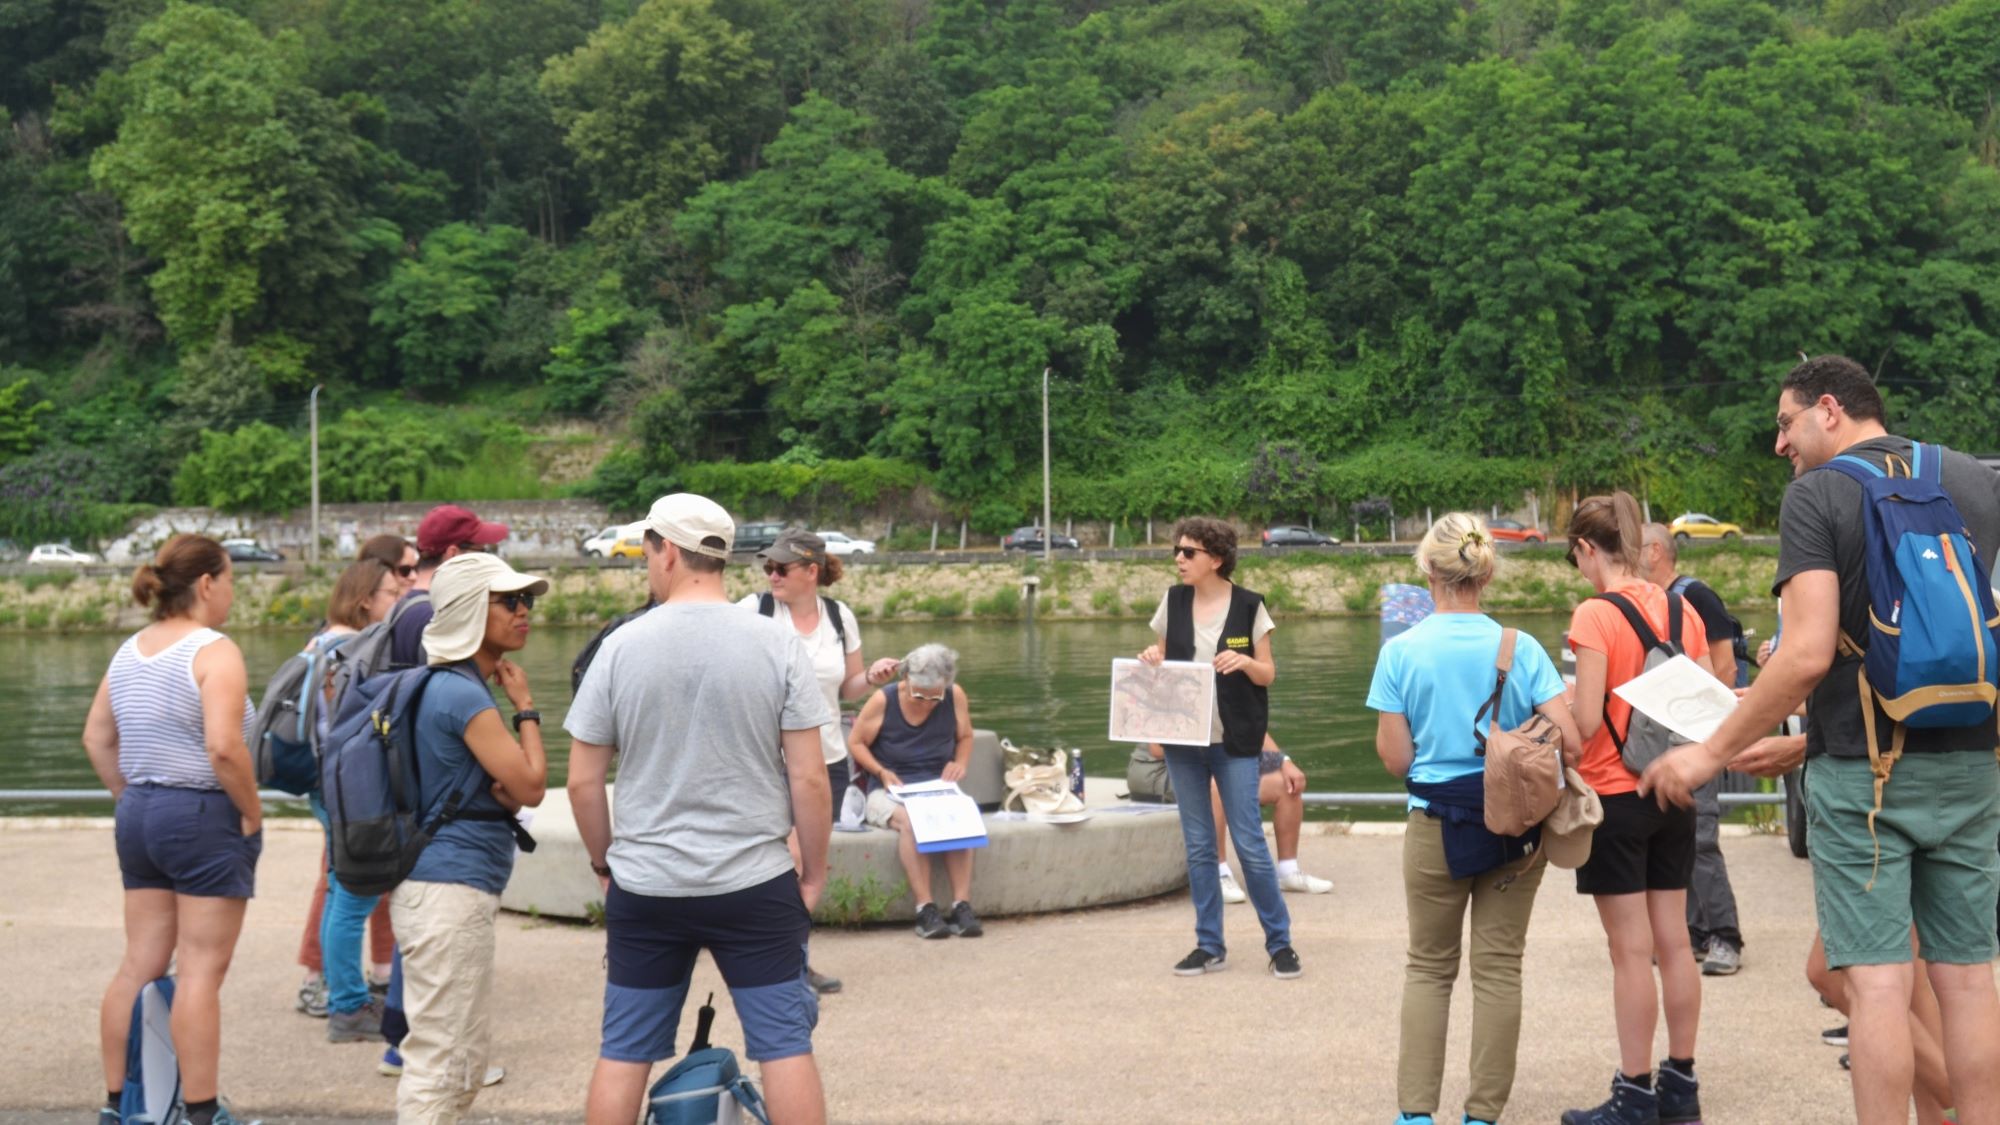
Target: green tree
x,y
440,307
590,345
20,428
258,468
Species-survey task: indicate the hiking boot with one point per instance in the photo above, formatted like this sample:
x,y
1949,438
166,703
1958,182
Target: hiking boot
x,y
1723,959
1679,1094
929,923
964,922
379,989
821,983
1285,964
312,997
1199,962
1629,1104
391,1064
108,1115
1231,893
1700,947
1834,1036
1298,882
362,1025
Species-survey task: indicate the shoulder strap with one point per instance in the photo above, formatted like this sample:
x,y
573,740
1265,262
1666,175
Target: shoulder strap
x,y
767,604
1648,640
832,609
1502,664
1674,603
1680,585
1859,470
406,603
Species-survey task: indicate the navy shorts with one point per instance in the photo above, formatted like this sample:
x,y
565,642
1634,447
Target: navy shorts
x,y
188,841
758,939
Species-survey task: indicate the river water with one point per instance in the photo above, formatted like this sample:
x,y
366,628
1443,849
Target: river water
x,y
1038,684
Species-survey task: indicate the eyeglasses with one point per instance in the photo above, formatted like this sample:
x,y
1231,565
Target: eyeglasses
x,y
516,602
778,568
920,697
1785,420
1571,556
1189,552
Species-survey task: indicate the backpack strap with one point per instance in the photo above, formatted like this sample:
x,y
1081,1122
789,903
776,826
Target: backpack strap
x,y
1502,664
767,604
832,609
1648,641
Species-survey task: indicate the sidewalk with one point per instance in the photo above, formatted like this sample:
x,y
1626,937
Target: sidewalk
x,y
1058,1018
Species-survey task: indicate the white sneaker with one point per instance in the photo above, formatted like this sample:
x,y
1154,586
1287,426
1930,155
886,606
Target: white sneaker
x,y
1301,883
1231,893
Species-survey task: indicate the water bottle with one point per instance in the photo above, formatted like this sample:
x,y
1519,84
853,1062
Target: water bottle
x,y
1076,773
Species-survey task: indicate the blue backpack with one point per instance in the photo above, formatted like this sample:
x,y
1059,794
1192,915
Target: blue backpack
x,y
693,1092
284,737
378,820
1931,658
152,1090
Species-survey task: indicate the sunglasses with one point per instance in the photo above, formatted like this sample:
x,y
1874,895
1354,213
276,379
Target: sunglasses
x,y
409,571
920,697
1189,552
516,602
778,567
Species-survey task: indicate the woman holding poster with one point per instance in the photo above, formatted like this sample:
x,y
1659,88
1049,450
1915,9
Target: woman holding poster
x,y
1210,619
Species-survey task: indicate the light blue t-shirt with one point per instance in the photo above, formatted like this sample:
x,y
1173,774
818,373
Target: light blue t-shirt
x,y
476,853
1439,673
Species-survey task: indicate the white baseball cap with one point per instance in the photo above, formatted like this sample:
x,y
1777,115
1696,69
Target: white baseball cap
x,y
693,523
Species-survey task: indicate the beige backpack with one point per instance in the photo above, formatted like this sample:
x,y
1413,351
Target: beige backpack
x,y
1524,766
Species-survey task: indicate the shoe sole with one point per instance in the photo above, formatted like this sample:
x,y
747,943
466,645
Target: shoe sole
x,y
383,1068
971,931
1840,1042
933,935
1211,967
359,1035
1293,975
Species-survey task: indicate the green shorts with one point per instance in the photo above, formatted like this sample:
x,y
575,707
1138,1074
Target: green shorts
x,y
1939,830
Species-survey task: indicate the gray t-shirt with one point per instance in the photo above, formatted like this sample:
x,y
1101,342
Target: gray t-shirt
x,y
695,698
1821,528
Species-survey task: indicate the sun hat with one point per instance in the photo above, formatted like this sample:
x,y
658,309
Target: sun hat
x,y
693,523
448,525
1567,831
458,603
795,545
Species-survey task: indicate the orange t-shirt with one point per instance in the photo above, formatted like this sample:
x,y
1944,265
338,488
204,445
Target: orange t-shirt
x,y
1599,626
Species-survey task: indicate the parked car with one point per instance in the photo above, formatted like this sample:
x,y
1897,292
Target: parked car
x,y
757,536
249,550
839,544
623,542
59,554
1290,535
1695,525
1514,531
1030,539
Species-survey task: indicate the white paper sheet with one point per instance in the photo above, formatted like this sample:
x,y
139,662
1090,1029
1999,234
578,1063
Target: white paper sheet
x,y
940,813
1682,696
1171,703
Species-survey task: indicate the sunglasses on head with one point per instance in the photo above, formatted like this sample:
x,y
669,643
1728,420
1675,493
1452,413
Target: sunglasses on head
x,y
1189,552
516,601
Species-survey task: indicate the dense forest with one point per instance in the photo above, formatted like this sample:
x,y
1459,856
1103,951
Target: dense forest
x,y
1284,257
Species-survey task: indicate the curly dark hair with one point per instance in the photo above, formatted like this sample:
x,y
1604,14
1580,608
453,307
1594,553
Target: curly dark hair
x,y
1847,381
1213,536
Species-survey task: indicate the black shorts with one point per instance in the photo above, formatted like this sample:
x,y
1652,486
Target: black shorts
x,y
1639,847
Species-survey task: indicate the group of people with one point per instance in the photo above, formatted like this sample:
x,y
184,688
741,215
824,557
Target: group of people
x,y
697,695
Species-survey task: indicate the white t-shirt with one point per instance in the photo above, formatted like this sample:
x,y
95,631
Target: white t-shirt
x,y
1208,634
829,663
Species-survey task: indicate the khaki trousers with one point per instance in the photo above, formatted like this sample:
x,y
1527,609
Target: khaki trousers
x,y
1437,906
446,934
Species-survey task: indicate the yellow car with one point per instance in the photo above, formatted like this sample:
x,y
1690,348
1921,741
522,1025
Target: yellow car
x,y
1694,525
627,542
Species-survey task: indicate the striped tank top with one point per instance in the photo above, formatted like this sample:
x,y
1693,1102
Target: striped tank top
x,y
157,707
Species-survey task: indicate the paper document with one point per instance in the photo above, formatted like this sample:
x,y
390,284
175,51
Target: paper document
x,y
1682,696
1170,703
942,817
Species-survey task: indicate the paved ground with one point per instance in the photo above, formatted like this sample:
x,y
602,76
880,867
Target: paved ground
x,y
1059,1018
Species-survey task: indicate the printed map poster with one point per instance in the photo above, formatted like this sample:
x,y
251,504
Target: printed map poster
x,y
1171,703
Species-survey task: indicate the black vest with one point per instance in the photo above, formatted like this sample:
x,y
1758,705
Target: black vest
x,y
1245,706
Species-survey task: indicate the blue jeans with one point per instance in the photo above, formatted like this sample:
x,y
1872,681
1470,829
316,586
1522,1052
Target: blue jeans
x,y
1236,779
341,925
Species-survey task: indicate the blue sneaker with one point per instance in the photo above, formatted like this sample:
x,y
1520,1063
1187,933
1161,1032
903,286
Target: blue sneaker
x,y
1476,1121
1680,1096
391,1064
1414,1119
1629,1104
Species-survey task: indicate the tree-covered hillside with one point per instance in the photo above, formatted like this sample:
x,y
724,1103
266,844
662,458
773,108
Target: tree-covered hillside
x,y
1284,256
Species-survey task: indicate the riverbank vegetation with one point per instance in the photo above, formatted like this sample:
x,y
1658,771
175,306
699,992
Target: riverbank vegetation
x,y
1295,584
1285,257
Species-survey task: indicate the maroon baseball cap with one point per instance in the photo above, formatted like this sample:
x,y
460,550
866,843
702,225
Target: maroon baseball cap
x,y
449,525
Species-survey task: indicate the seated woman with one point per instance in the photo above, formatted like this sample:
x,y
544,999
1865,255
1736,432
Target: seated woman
x,y
919,730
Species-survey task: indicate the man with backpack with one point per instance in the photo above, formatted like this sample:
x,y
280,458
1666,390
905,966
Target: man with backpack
x,y
1887,622
714,716
1711,909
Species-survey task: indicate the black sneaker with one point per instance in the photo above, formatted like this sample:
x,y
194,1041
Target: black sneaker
x,y
1834,1036
1629,1104
929,923
821,983
1844,1064
1679,1094
1199,962
964,922
1285,964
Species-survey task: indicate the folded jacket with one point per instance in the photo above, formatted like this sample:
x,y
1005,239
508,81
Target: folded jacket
x,y
1470,848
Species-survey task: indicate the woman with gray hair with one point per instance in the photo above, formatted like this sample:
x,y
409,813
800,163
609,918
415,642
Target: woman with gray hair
x,y
919,730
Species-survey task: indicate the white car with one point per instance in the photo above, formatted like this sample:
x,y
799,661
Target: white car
x,y
838,544
619,541
57,554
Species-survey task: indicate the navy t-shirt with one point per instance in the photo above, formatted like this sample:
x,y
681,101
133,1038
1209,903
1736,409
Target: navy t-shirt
x,y
476,853
406,634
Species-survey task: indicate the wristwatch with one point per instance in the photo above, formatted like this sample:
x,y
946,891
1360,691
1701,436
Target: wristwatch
x,y
528,716
602,869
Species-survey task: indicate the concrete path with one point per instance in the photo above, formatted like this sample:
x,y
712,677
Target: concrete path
x,y
1057,1018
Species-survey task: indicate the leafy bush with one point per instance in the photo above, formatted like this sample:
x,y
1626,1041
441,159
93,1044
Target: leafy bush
x,y
374,454
440,308
259,468
1004,602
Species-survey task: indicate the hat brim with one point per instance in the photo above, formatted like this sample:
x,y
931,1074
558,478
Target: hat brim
x,y
487,534
781,554
519,583
1570,850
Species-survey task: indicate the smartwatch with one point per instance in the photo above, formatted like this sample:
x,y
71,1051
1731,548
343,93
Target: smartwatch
x,y
529,716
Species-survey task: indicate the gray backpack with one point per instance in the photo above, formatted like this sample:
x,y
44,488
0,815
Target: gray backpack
x,y
367,652
1644,739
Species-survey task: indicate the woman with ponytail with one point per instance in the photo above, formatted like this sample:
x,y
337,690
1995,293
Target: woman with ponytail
x,y
1431,686
166,736
1642,856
